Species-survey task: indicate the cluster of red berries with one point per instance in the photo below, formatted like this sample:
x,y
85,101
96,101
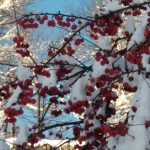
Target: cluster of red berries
x,y
11,114
25,84
42,19
126,2
28,23
5,92
33,138
109,95
106,25
68,51
39,70
51,23
111,72
133,57
25,101
88,125
128,88
43,91
54,91
136,12
62,71
56,112
78,41
147,124
50,91
59,135
76,131
120,129
51,53
94,36
89,89
66,22
53,100
61,22
147,31
78,106
22,48
101,81
134,109
101,58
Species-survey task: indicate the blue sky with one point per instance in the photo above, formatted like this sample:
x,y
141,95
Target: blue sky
x,y
56,5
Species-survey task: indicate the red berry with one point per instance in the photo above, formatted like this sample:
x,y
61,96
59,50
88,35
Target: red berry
x,y
51,23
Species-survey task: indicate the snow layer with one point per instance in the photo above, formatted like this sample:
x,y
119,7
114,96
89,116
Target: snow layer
x,y
138,135
130,24
56,143
78,90
23,73
14,98
112,6
104,43
48,81
22,136
98,69
3,144
136,39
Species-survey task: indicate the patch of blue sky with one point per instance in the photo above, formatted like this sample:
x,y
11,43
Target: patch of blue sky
x,y
67,133
55,6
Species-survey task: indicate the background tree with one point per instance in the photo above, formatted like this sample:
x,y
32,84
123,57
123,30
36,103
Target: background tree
x,y
9,10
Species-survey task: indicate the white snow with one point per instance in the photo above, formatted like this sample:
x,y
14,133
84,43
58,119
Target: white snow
x,y
137,1
101,110
34,108
103,43
66,58
78,90
132,83
98,69
14,98
130,24
22,136
56,143
3,144
112,6
48,81
23,73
